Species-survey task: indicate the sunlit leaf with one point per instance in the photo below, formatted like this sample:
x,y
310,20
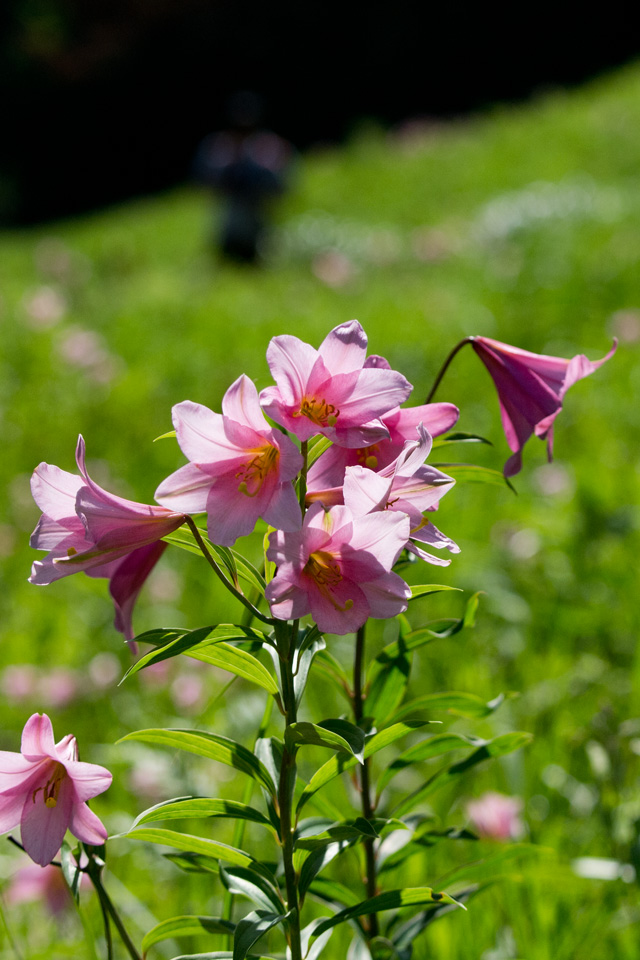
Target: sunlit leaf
x,y
185,841
471,473
459,704
235,660
192,807
390,900
336,734
186,926
426,589
246,882
251,928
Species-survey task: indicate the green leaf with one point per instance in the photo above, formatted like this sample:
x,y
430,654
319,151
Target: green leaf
x,y
185,841
248,573
337,765
310,647
219,955
166,436
423,839
70,870
235,660
391,900
186,926
210,745
338,735
425,750
499,747
315,862
470,473
426,589
246,882
193,862
459,438
356,830
251,928
332,891
334,671
459,704
189,807
316,448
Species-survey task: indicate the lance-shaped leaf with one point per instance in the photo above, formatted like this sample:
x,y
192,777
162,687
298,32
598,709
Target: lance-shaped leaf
x,y
183,808
388,685
499,747
433,747
312,950
337,765
458,438
315,862
235,660
317,447
404,935
70,870
185,841
255,885
334,671
304,658
337,735
423,839
355,830
390,900
186,926
193,862
209,745
251,928
219,955
426,589
334,892
459,704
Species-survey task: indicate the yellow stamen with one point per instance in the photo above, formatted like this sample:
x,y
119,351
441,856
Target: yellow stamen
x,y
71,552
325,572
255,471
318,411
371,462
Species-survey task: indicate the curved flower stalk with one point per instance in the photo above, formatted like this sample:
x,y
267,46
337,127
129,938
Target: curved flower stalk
x,y
331,390
45,789
531,388
338,568
86,528
407,486
241,468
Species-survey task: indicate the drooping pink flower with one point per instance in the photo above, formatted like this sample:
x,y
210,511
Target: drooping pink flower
x,y
407,486
241,468
338,568
86,528
331,390
45,789
496,816
531,388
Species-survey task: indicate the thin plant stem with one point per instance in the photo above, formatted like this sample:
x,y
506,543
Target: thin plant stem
x,y
370,879
220,575
240,825
107,926
445,367
302,483
106,904
285,800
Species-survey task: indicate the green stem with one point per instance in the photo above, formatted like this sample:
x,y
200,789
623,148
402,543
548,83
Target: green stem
x,y
370,879
238,830
218,572
107,907
285,800
302,483
445,367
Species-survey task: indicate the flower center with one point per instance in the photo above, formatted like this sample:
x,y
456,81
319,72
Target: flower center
x,y
318,411
325,572
253,473
368,456
52,787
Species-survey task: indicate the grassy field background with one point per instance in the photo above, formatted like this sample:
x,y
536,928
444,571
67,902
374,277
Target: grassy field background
x,y
523,225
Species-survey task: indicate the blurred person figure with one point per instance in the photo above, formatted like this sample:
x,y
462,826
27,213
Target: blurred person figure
x,y
247,166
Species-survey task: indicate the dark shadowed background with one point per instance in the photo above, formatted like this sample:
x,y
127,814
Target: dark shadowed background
x,y
109,99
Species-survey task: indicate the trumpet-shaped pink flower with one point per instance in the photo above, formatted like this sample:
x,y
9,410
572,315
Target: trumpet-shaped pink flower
x,y
86,528
407,486
44,788
331,390
241,468
338,568
531,388
496,816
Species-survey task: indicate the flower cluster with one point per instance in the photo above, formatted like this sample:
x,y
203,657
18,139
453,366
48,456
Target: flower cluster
x,y
368,497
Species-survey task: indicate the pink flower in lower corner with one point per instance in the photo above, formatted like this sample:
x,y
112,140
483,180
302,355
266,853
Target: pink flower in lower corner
x,y
86,528
531,388
338,569
331,390
45,789
241,468
496,816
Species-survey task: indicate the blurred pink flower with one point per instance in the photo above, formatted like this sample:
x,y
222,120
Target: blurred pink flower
x,y
331,390
47,884
44,788
19,681
241,468
531,388
86,528
496,816
338,568
58,687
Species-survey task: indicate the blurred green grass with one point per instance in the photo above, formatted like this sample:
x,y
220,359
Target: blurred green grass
x,y
523,225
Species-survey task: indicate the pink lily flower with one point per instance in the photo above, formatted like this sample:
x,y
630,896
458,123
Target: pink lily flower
x,y
407,486
44,788
241,468
531,388
496,816
331,390
401,423
338,568
86,528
